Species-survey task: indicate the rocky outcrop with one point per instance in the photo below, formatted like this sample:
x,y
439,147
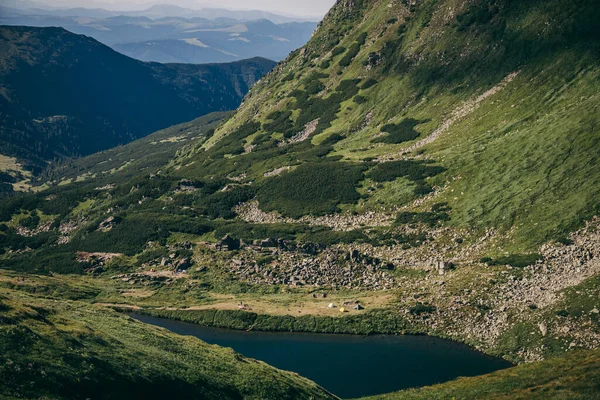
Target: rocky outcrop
x,y
330,268
250,212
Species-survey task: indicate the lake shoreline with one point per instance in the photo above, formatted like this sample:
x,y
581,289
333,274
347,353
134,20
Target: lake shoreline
x,y
372,323
385,362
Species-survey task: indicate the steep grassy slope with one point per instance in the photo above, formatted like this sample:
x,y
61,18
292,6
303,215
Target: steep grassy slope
x,y
501,94
144,155
67,95
574,376
67,349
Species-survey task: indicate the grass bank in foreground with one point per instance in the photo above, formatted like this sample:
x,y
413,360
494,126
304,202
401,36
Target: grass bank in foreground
x,y
69,350
573,376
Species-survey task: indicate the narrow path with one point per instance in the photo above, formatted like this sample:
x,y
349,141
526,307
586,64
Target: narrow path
x,y
459,113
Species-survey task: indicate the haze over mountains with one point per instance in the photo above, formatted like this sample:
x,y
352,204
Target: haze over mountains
x,y
167,34
312,10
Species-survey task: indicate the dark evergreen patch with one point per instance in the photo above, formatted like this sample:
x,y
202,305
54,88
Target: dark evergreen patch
x,y
399,133
360,99
514,260
315,189
281,123
416,171
437,215
368,83
353,50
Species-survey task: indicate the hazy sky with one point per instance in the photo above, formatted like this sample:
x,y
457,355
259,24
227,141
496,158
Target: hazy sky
x,y
294,7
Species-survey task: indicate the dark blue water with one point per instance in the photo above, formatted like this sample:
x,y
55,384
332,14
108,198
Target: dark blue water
x,y
350,366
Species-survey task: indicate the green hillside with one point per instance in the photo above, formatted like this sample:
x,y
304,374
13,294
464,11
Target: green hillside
x,y
510,115
574,376
70,350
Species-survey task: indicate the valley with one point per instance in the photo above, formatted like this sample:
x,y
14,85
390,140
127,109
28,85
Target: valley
x,y
126,99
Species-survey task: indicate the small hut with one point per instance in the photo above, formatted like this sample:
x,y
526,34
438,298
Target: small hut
x,y
331,305
358,307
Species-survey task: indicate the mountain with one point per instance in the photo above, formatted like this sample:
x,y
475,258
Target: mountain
x,y
460,89
200,37
169,10
65,95
433,161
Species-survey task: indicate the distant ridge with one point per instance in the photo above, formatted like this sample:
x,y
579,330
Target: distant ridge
x,y
66,95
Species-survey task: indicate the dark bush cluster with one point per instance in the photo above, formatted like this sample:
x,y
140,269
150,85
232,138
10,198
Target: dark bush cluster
x,y
280,123
368,83
353,50
514,260
420,309
46,261
312,189
478,13
324,109
338,50
438,214
399,133
415,171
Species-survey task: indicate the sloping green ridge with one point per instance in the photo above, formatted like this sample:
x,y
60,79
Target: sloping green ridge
x,y
523,78
71,350
575,376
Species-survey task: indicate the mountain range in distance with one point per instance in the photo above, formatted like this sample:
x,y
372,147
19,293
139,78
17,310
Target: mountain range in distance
x,y
171,34
156,11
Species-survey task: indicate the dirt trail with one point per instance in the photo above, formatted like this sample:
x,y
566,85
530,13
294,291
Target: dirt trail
x,y
458,114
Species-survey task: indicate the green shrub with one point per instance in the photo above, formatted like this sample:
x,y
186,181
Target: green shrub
x,y
353,50
220,204
368,83
478,13
421,308
281,123
324,109
399,133
350,55
314,87
562,313
348,88
416,171
130,236
315,189
360,99
233,143
428,218
151,255
46,261
338,50
289,77
31,222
